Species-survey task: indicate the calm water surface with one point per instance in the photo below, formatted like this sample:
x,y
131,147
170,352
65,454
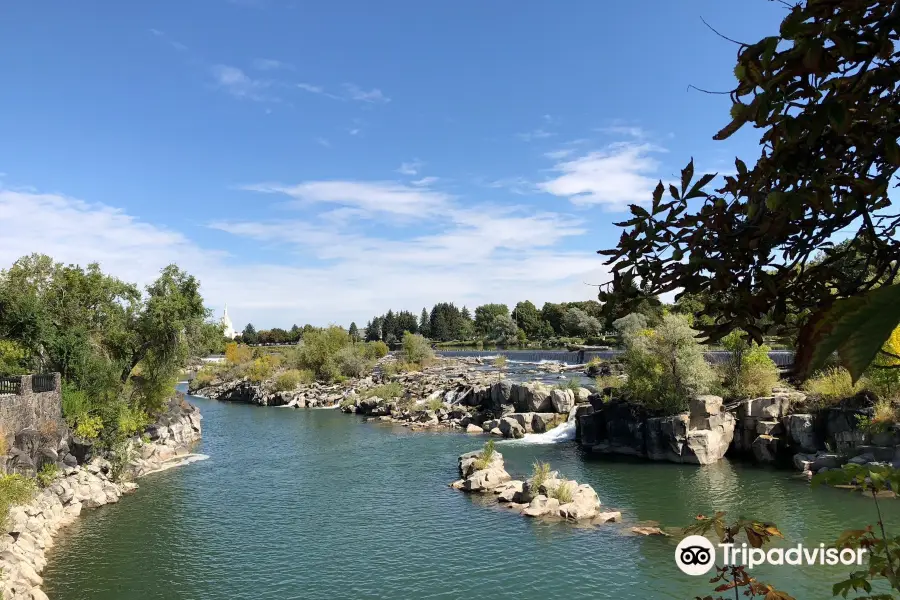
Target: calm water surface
x,y
314,504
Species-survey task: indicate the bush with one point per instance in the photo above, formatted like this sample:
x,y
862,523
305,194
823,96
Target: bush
x,y
237,354
205,376
262,368
131,421
572,383
416,349
540,472
486,456
47,474
14,489
348,401
291,379
562,492
376,350
89,427
435,404
665,366
385,391
352,362
885,414
749,372
319,349
832,385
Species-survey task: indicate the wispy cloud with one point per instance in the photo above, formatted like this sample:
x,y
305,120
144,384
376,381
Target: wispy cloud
x,y
323,142
375,198
624,130
620,174
240,85
425,181
514,185
411,168
373,96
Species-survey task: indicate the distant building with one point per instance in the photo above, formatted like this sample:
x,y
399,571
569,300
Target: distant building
x,y
225,321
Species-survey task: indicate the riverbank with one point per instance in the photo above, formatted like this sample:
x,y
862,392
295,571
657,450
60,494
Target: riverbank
x,y
31,528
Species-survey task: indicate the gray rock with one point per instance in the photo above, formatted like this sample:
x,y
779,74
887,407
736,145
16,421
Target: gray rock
x,y
471,428
765,449
563,400
800,431
511,428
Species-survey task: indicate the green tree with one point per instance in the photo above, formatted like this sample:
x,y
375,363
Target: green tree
x,y
249,335
826,94
354,332
425,323
484,317
553,314
528,318
503,329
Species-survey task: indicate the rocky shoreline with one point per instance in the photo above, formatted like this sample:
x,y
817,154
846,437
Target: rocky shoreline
x,y
30,529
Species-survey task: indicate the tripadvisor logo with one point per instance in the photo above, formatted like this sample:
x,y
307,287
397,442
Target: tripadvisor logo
x,y
696,555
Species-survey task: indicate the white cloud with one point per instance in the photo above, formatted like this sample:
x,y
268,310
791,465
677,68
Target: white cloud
x,y
373,96
313,89
163,36
372,197
618,175
336,274
323,142
514,185
559,154
237,83
425,181
624,130
411,168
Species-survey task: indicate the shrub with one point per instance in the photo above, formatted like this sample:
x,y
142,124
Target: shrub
x,y
262,368
665,366
89,427
14,489
832,385
352,362
749,372
205,376
435,404
292,378
237,354
319,349
608,381
131,420
885,414
486,456
385,391
348,401
562,492
75,403
376,350
572,383
540,473
416,349
47,474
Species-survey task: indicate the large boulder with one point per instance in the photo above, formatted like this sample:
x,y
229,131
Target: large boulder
x,y
542,422
585,503
765,449
541,506
536,398
511,428
563,400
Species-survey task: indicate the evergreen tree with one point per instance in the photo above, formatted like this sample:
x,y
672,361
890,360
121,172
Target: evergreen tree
x,y
389,326
249,335
425,323
406,321
354,332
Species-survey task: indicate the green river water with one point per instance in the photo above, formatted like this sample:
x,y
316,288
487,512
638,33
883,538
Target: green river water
x,y
316,504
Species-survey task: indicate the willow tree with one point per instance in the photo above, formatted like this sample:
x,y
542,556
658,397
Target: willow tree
x,y
825,94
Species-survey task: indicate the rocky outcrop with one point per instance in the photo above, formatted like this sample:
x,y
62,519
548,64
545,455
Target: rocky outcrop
x,y
555,498
30,528
701,436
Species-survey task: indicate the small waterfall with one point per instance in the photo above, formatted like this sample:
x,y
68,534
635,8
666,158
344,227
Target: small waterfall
x,y
564,432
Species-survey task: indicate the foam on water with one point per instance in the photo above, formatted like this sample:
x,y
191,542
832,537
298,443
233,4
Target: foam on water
x,y
564,432
179,462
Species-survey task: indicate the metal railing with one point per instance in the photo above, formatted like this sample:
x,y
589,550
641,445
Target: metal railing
x,y
43,383
10,385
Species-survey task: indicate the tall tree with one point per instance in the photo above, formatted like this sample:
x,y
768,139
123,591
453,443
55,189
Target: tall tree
x,y
425,323
484,316
553,315
826,95
354,332
249,335
528,318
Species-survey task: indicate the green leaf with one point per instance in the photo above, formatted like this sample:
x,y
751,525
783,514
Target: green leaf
x,y
856,328
774,200
837,116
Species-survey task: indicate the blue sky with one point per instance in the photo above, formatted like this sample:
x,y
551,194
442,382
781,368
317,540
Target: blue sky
x,y
325,161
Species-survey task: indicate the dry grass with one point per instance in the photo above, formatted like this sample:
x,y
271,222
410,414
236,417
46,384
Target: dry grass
x,y
562,492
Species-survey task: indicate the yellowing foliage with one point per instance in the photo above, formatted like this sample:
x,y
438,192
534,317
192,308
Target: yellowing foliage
x,y
236,354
